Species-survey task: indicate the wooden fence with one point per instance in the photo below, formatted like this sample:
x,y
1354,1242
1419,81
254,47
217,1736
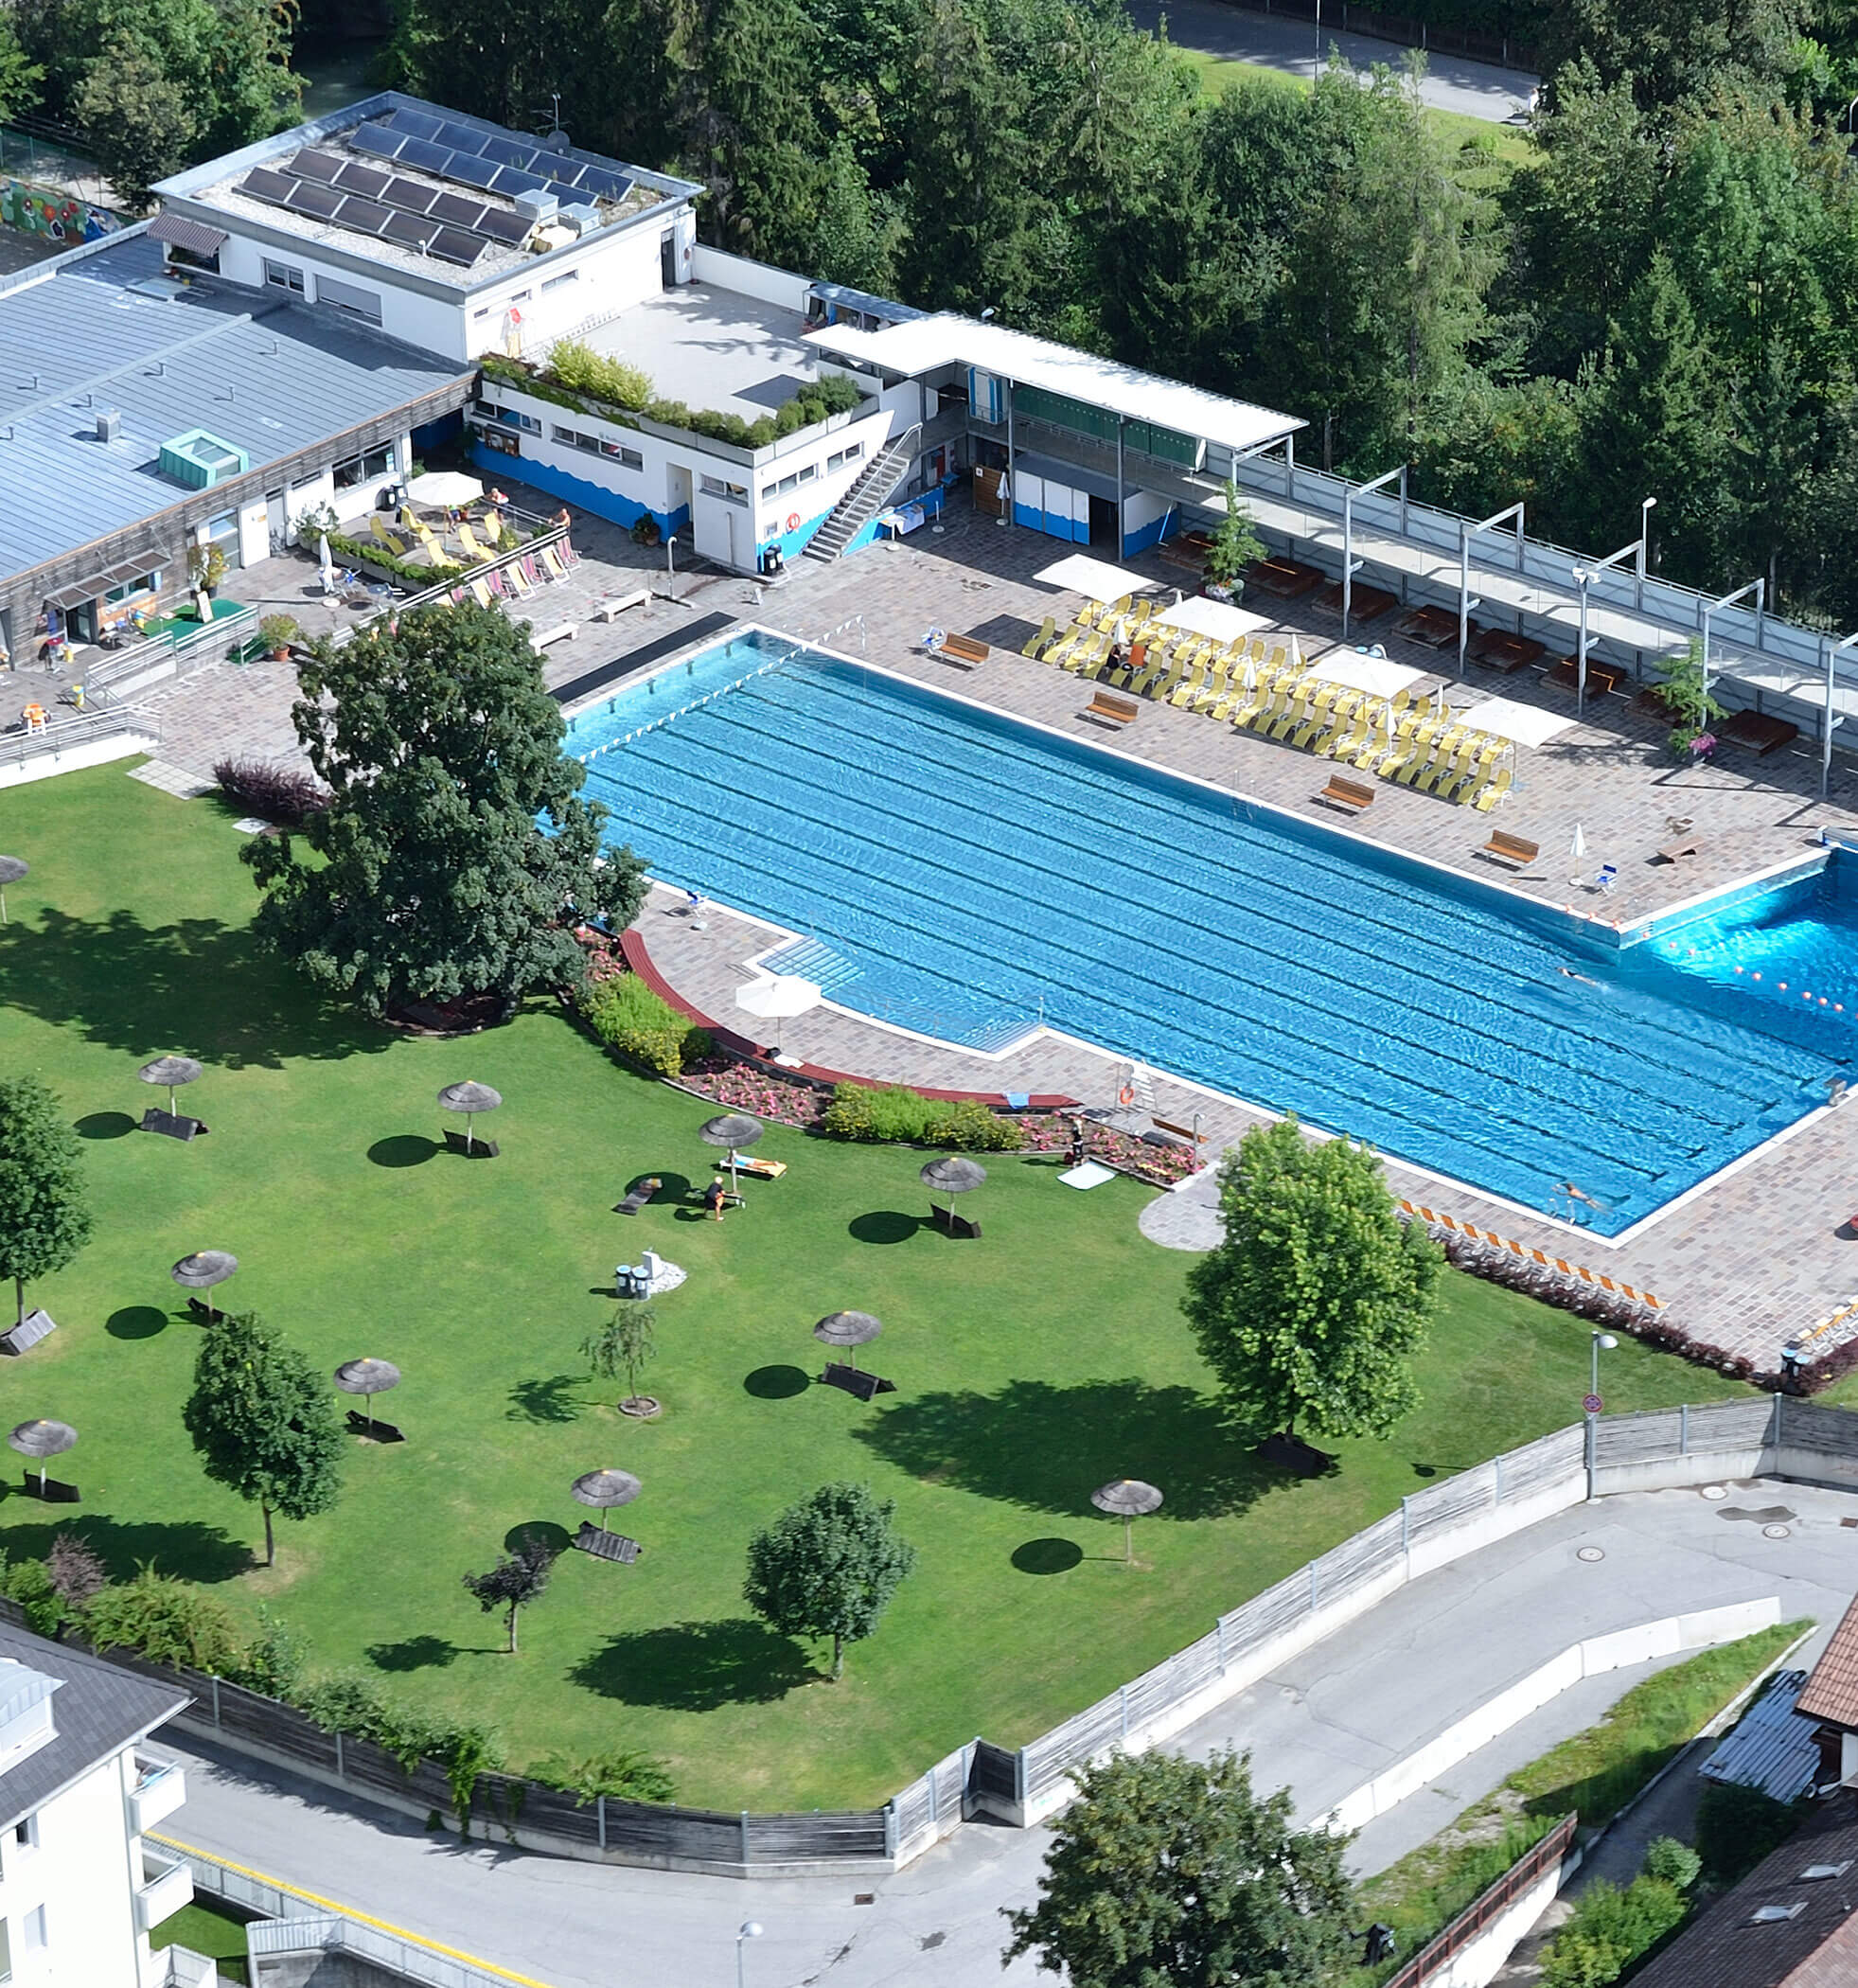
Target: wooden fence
x,y
1488,1907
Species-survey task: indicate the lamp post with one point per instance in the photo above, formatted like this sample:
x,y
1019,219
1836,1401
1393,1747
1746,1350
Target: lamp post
x,y
1602,1342
1646,507
1581,578
750,1929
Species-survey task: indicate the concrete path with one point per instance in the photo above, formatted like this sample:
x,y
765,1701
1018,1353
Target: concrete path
x,y
1322,1723
1453,82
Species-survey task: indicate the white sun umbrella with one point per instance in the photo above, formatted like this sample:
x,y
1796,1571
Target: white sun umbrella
x,y
1578,847
445,487
777,996
328,566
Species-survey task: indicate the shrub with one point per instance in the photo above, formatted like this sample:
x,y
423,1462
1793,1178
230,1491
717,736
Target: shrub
x,y
1737,1827
415,572
1609,1930
894,1114
168,1619
581,369
278,631
972,1127
639,1023
1672,1862
621,1775
29,1584
668,413
77,1571
343,1702
274,1660
274,792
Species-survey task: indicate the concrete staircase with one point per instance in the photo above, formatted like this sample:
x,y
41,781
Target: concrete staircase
x,y
867,496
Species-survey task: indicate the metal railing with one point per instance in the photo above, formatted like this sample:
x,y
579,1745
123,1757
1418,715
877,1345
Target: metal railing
x,y
330,1933
1522,1876
68,734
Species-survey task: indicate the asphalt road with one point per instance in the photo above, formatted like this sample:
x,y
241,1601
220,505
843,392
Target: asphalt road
x,y
1453,82
1323,1722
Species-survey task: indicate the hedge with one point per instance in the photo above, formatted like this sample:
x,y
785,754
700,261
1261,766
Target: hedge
x,y
895,1115
640,1024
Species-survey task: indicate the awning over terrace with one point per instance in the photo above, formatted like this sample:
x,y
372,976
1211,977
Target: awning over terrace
x,y
1202,617
1522,724
1373,674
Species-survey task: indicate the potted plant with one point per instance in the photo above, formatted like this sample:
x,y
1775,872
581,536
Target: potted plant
x,y
1689,705
277,631
1234,546
206,567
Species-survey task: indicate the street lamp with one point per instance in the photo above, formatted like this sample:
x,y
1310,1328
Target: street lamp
x,y
1647,505
750,1929
1602,1342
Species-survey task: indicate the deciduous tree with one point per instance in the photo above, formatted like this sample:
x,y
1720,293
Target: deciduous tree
x,y
428,876
1176,1874
517,1579
1311,1306
262,1422
828,1566
44,1208
624,1345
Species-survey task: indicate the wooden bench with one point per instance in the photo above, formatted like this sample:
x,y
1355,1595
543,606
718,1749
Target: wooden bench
x,y
1433,628
956,1225
612,609
1759,733
1498,650
963,650
1511,849
540,639
1285,579
856,1381
1366,604
1685,845
1352,796
1109,709
606,1546
1601,677
52,1491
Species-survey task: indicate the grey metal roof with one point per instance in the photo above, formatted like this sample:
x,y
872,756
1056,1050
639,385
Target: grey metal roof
x,y
98,1711
109,332
1773,1747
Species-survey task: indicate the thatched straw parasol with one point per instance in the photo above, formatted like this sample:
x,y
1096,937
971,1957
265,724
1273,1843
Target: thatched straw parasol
x,y
469,1098
368,1379
606,1490
44,1440
171,1071
202,1271
734,1129
1128,1499
850,1329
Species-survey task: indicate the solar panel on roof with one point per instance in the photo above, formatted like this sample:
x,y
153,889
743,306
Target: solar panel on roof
x,y
456,211
459,136
607,184
409,230
507,152
502,226
416,124
376,139
509,181
319,203
426,155
311,164
368,181
410,194
473,172
566,194
455,245
272,187
365,217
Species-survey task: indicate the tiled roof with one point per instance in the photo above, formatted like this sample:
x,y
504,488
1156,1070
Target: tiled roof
x,y
98,1711
1831,1692
1812,1926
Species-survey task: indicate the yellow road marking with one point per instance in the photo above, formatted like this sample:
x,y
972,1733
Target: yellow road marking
x,y
329,1904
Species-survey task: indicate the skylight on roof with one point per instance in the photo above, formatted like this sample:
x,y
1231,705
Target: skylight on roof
x,y
1817,1871
1773,1914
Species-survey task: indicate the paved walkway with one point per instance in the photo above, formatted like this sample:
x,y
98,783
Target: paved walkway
x,y
1322,1724
1452,82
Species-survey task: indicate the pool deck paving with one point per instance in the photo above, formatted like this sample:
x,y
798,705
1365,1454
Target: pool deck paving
x,y
1748,1260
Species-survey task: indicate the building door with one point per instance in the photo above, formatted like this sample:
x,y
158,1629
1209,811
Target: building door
x,y
1102,521
678,491
279,524
667,258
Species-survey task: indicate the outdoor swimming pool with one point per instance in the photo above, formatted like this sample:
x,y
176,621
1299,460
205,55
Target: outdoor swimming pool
x,y
958,872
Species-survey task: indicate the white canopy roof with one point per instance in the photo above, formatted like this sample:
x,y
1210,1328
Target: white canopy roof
x,y
1212,618
1081,573
1527,724
927,344
1373,674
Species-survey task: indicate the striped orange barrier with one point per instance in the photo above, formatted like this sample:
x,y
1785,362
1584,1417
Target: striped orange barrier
x,y
1576,1272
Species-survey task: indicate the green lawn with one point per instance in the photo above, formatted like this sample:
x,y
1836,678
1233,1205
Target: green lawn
x,y
1489,153
207,1930
1031,1366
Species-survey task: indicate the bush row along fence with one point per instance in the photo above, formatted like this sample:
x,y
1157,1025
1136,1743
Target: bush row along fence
x,y
1540,1862
1407,29
1658,1449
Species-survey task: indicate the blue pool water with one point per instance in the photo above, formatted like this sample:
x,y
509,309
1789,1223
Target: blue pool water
x,y
955,871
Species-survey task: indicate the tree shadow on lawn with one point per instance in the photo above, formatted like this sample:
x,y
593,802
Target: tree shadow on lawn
x,y
1049,1447
198,986
417,1653
194,1551
694,1666
548,1400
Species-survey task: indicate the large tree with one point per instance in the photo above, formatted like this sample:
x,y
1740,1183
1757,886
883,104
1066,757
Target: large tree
x,y
517,1579
430,875
828,1566
44,1211
1176,1873
1318,1295
262,1422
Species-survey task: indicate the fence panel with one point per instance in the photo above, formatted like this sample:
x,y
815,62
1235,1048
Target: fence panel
x,y
1828,1432
1265,1615
1357,1561
1443,1508
1547,1461
1730,1425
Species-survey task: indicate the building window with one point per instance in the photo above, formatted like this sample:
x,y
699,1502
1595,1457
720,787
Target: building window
x,y
567,276
844,456
578,438
25,1834
728,492
284,275
146,583
508,416
627,458
32,1931
363,304
807,475
358,470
